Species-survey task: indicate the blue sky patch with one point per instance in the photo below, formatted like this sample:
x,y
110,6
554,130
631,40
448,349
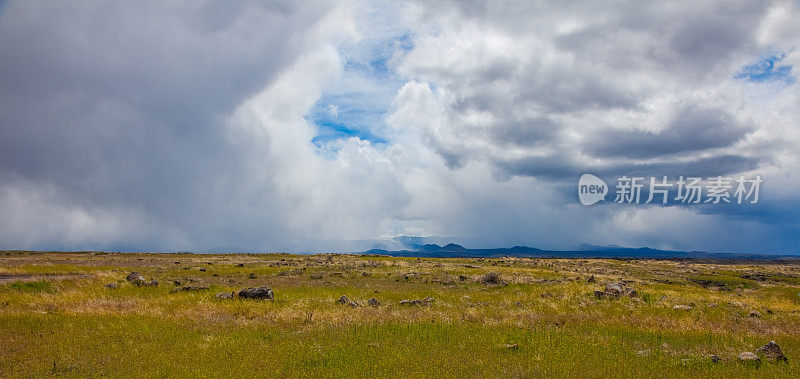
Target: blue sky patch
x,y
767,69
357,103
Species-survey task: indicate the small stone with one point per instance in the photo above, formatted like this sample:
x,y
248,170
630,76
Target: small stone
x,y
343,300
754,314
189,288
420,302
111,285
512,346
772,351
591,279
373,302
748,357
202,270
251,276
714,358
240,265
683,307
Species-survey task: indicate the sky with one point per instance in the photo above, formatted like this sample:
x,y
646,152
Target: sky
x,y
339,125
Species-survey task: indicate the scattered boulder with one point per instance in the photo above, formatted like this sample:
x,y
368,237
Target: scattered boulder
x,y
614,291
615,288
151,283
772,351
135,278
748,357
491,278
344,300
714,358
591,279
111,286
224,295
754,314
373,302
258,293
420,302
189,288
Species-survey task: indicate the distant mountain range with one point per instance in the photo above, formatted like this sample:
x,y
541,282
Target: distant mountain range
x,y
584,251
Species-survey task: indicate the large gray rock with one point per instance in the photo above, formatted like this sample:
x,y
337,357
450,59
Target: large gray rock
x,y
615,288
259,293
772,351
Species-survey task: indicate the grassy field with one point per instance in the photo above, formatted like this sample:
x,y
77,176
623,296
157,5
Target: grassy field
x,y
541,318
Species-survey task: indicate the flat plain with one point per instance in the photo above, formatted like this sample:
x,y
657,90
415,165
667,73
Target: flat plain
x,y
76,315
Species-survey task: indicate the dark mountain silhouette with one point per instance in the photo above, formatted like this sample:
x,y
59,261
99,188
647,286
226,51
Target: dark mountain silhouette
x,y
584,251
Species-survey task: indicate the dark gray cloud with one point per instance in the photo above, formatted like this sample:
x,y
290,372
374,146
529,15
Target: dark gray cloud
x,y
126,106
691,129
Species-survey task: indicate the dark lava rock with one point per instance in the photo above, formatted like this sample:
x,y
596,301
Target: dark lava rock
x,y
344,300
111,285
772,351
260,293
373,302
714,358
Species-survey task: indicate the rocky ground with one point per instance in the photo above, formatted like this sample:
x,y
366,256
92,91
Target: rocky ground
x,y
89,314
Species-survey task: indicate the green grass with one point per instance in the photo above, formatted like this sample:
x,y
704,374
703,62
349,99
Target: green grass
x,y
94,346
32,287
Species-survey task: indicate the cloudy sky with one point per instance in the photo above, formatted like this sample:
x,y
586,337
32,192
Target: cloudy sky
x,y
153,125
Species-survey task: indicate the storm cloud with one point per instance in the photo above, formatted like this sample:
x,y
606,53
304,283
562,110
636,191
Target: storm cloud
x,y
329,125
